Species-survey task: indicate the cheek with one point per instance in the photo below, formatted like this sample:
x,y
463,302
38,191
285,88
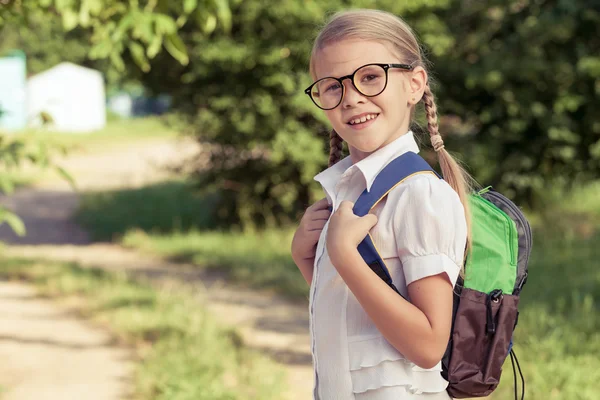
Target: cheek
x,y
394,99
334,118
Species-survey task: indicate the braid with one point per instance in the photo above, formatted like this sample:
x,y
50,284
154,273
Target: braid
x,y
431,112
452,172
335,147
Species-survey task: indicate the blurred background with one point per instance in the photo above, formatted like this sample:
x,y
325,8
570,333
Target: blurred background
x,y
156,156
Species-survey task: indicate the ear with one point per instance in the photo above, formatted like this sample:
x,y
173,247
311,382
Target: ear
x,y
417,83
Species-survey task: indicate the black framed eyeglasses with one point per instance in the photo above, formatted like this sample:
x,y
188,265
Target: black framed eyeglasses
x,y
370,80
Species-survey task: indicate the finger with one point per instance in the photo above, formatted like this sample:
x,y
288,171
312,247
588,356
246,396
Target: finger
x,y
314,236
322,204
346,205
322,215
368,221
315,225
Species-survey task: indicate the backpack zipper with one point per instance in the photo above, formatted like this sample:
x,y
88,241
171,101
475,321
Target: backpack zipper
x,y
528,234
508,220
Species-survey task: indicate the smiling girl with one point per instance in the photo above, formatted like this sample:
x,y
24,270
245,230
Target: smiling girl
x,y
369,343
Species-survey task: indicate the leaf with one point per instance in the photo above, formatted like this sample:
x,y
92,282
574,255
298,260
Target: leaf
x,y
224,14
210,25
13,221
6,185
142,29
106,13
101,50
68,177
137,52
165,24
189,6
176,48
84,14
95,6
154,47
69,19
117,61
181,20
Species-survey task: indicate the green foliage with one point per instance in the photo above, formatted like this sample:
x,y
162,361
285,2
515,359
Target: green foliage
x,y
517,86
243,94
124,30
42,38
16,152
161,208
182,352
525,77
115,30
517,81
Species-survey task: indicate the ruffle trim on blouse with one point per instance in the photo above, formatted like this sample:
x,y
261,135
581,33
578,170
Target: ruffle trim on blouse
x,y
376,364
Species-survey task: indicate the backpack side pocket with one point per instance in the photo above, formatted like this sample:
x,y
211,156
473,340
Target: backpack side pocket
x,y
481,338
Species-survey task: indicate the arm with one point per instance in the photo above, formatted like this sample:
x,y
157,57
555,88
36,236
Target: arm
x,y
306,267
430,232
419,330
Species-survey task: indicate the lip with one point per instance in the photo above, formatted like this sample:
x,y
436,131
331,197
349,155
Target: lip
x,y
352,118
364,125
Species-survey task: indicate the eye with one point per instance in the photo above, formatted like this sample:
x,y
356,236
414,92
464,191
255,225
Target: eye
x,y
370,77
332,87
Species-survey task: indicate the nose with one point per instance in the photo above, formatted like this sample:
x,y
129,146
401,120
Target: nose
x,y
351,95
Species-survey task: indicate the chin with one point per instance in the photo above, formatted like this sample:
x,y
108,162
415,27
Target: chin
x,y
367,148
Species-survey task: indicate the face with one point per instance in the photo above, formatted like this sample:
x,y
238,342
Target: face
x,y
369,123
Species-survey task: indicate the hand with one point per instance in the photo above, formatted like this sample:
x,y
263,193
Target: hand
x,y
307,235
346,231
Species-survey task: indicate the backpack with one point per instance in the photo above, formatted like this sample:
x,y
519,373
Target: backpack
x,y
485,311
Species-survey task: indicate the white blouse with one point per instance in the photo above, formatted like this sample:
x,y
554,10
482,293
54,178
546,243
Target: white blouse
x,y
421,232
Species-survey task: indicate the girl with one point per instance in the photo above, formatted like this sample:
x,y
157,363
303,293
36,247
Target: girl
x,y
368,343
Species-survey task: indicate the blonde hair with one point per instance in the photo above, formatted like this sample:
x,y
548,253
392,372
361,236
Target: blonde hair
x,y
387,28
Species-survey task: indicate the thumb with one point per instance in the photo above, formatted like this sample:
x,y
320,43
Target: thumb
x,y
369,221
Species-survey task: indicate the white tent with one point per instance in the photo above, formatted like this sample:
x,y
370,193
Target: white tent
x,y
72,96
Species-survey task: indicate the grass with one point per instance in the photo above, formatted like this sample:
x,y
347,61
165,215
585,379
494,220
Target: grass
x,y
183,354
116,133
260,260
160,208
558,336
167,219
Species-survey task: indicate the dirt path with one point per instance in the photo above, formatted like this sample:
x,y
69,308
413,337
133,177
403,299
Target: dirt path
x,y
49,353
269,323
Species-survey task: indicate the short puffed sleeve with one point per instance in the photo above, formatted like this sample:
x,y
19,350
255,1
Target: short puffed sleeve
x,y
429,227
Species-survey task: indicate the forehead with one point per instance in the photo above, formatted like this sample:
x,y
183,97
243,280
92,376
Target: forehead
x,y
344,57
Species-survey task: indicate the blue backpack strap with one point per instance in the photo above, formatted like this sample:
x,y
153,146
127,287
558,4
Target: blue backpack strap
x,y
392,175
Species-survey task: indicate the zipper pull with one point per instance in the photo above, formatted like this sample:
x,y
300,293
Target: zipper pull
x,y
484,190
494,296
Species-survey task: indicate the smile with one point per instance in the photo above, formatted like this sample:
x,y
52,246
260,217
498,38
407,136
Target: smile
x,y
363,119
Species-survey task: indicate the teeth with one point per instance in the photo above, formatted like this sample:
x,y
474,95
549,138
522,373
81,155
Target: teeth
x,y
363,119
